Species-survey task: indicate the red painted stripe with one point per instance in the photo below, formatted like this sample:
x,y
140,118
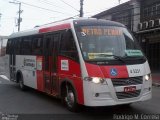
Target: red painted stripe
x,y
55,28
74,69
40,83
94,70
105,71
122,71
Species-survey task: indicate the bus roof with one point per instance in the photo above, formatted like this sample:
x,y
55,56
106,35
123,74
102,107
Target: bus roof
x,y
66,24
101,22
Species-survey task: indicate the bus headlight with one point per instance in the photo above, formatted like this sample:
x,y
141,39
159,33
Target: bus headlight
x,y
147,77
95,79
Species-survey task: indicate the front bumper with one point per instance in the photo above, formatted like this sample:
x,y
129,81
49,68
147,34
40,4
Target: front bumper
x,y
106,95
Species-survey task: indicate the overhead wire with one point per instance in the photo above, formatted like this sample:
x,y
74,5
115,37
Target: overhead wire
x,y
50,3
41,7
112,13
24,3
69,5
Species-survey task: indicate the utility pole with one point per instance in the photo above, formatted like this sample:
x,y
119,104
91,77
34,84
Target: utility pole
x,y
0,37
0,18
19,20
19,17
81,8
119,2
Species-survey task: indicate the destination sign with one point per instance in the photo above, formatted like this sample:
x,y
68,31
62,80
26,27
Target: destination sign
x,y
101,31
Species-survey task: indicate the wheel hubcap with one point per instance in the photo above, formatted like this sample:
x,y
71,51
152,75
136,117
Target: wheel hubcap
x,y
21,83
70,98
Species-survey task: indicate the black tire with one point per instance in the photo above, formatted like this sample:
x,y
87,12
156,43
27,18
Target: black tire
x,y
21,83
69,99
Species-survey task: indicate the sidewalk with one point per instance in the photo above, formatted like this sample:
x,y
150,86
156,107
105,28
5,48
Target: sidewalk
x,y
2,67
156,79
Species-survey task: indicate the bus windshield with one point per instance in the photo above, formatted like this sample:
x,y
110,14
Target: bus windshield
x,y
107,43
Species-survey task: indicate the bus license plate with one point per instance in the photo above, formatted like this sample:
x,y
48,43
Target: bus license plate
x,y
130,89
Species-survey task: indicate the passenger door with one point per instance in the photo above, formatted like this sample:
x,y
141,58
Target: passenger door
x,y
54,64
12,60
47,80
51,44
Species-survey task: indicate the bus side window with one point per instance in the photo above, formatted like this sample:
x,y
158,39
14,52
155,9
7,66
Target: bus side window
x,y
17,42
26,46
37,45
11,50
68,47
8,48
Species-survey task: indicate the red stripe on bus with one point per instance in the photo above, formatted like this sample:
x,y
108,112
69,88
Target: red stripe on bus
x,y
94,70
122,71
105,71
74,75
40,83
55,28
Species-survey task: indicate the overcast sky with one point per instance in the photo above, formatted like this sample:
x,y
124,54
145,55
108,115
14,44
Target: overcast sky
x,y
39,12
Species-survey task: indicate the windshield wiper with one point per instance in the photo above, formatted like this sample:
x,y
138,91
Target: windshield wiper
x,y
115,57
134,57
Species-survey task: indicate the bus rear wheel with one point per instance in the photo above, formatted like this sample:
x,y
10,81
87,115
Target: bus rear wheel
x,y
21,83
69,99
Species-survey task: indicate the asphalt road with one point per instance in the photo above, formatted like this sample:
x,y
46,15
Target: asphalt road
x,y
33,104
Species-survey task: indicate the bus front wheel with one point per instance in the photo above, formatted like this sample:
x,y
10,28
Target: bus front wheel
x,y
69,99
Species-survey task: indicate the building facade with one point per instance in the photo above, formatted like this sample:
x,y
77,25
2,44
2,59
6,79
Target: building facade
x,y
127,13
149,31
142,17
3,42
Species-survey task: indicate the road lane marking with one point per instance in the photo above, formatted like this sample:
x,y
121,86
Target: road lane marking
x,y
4,77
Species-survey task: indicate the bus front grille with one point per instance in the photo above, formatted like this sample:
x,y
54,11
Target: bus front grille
x,y
127,81
124,95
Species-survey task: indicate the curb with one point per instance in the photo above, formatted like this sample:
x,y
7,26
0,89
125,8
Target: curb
x,y
156,84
